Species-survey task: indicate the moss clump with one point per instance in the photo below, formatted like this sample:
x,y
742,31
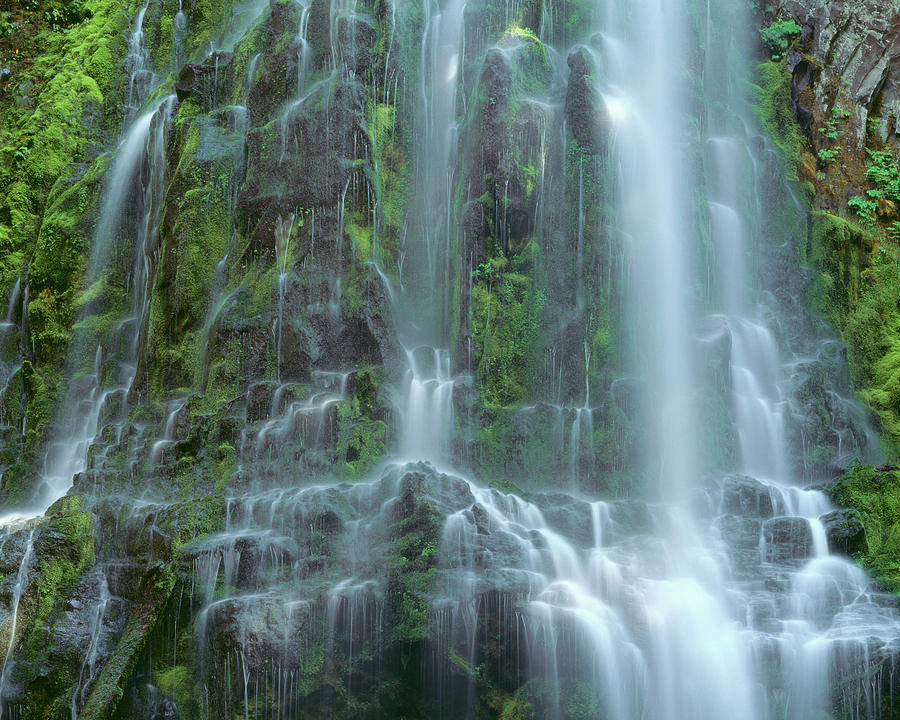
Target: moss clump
x,y
416,535
834,248
518,707
772,102
64,550
506,324
362,435
858,294
177,682
875,495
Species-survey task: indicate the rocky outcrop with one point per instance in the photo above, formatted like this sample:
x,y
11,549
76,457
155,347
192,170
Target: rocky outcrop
x,y
849,52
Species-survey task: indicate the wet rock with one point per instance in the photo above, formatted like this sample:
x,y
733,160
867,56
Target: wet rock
x,y
260,628
207,84
631,517
482,519
587,122
568,516
740,533
289,164
744,495
355,37
845,532
259,401
787,540
165,709
496,79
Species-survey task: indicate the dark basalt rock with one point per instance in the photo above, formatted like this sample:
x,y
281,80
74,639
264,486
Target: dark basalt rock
x,y
845,532
740,533
588,123
208,84
631,517
744,495
854,43
567,515
788,540
303,161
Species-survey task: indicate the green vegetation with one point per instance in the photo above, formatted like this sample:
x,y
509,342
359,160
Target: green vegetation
x,y
772,103
778,37
864,209
506,323
416,535
883,172
875,495
362,437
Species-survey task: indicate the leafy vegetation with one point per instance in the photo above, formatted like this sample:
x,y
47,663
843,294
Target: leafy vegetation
x,y
778,36
864,209
875,495
883,172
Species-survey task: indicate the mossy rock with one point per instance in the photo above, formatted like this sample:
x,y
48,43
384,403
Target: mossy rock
x,y
874,493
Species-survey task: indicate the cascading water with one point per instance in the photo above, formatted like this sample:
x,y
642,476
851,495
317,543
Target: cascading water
x,y
135,185
719,599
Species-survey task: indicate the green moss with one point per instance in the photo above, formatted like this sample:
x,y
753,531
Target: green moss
x,y
205,23
361,240
362,435
412,570
64,550
530,66
506,324
835,247
859,297
226,465
518,707
875,495
176,682
772,103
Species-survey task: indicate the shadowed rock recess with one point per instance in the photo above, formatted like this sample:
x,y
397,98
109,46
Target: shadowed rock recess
x,y
449,359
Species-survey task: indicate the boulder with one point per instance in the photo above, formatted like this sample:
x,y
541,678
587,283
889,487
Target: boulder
x,y
744,495
845,532
787,540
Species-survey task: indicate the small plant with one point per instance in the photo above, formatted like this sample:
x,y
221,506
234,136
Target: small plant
x,y
830,131
838,113
7,25
779,36
61,19
894,231
828,156
884,173
864,209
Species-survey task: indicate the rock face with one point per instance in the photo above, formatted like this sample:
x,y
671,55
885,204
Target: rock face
x,y
845,533
742,495
848,52
787,539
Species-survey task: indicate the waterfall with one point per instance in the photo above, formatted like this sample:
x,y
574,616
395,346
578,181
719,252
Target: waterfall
x,y
602,520
136,180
